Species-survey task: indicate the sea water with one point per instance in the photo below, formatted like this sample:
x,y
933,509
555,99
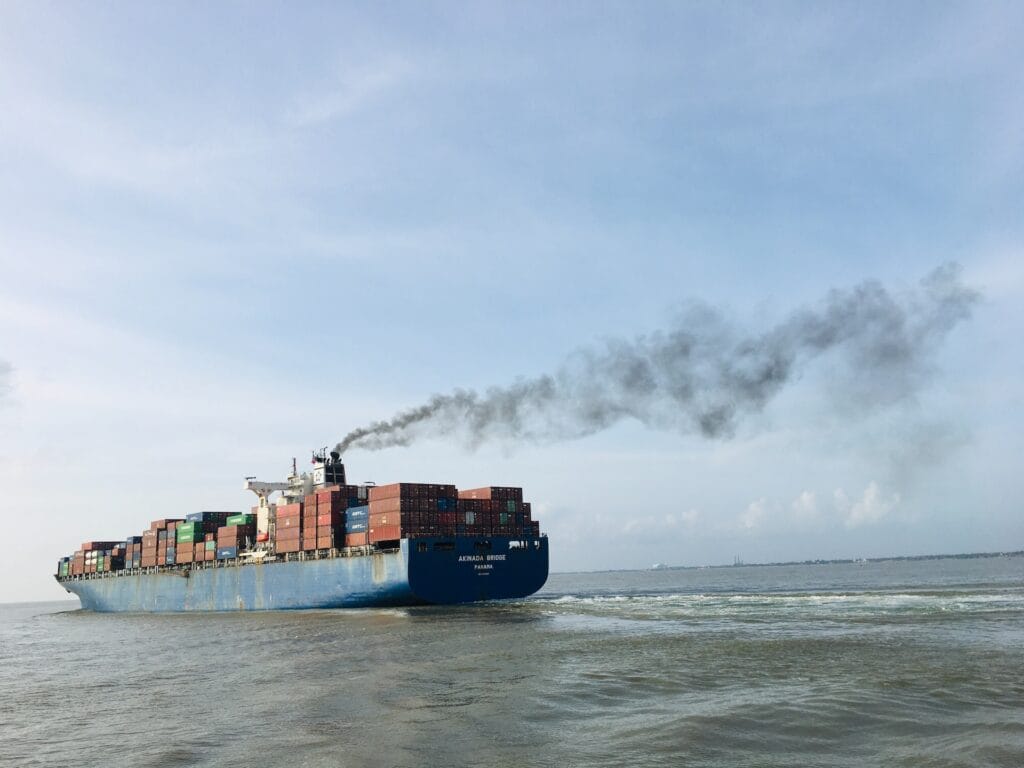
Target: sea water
x,y
903,663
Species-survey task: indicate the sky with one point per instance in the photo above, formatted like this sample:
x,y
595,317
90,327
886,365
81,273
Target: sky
x,y
230,234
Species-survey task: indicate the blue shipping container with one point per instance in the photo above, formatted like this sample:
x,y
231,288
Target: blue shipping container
x,y
353,527
226,553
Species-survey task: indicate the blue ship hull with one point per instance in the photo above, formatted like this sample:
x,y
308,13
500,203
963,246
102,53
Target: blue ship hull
x,y
420,571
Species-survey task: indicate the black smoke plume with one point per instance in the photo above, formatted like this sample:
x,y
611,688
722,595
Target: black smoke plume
x,y
702,375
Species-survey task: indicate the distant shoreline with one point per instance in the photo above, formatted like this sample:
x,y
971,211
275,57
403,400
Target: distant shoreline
x,y
836,561
854,560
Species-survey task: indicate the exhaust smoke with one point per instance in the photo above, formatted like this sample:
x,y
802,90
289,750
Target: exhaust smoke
x,y
702,374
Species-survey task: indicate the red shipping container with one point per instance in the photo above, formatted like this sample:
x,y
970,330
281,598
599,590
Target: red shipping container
x,y
329,519
184,555
393,504
283,523
325,542
392,490
148,561
356,540
288,534
287,546
288,510
385,533
391,518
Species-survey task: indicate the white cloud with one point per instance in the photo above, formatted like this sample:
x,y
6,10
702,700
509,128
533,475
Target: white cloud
x,y
687,519
870,508
805,506
754,514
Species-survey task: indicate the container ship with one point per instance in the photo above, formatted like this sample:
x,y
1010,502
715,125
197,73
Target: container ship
x,y
315,541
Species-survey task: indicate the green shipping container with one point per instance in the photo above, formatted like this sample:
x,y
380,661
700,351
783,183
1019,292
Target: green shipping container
x,y
211,545
503,518
186,537
510,505
241,520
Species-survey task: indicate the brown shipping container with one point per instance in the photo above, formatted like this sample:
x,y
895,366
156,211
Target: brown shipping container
x,y
148,561
287,546
283,523
390,491
309,501
411,490
385,533
390,518
393,504
356,540
495,492
331,518
184,555
289,509
325,542
288,534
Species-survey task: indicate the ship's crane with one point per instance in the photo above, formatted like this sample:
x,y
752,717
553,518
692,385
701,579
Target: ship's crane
x,y
263,491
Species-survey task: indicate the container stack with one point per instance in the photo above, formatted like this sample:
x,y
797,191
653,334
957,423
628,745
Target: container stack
x,y
288,527
332,518
412,510
237,535
319,521
96,557
357,525
495,511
